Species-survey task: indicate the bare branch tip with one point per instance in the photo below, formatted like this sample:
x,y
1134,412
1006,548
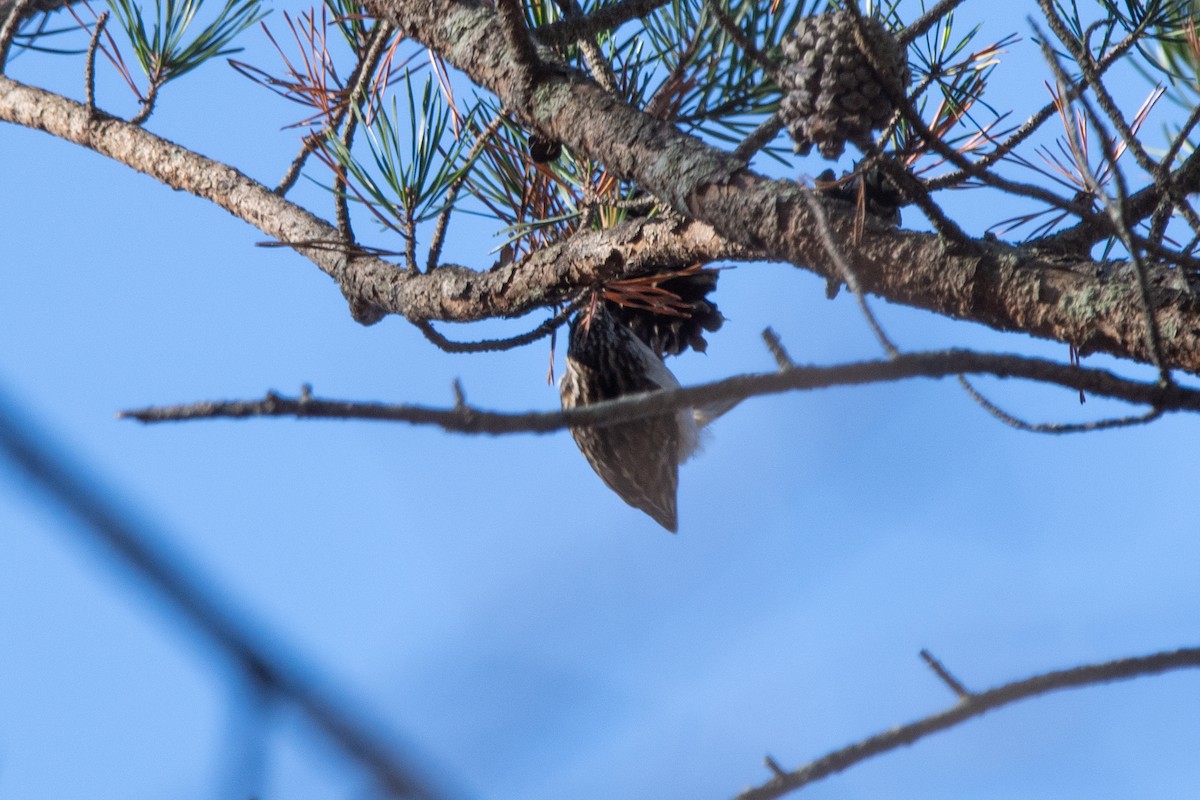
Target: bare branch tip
x,y
782,359
773,765
11,24
89,69
938,669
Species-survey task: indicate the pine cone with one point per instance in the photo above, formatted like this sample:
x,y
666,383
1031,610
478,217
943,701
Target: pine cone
x,y
543,150
880,196
670,335
833,94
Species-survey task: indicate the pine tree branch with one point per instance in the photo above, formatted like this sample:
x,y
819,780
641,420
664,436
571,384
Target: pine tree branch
x,y
467,419
1095,307
972,705
452,293
569,30
10,22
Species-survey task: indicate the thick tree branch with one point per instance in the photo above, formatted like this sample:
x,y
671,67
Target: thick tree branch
x,y
467,419
571,29
452,293
1095,307
973,705
511,14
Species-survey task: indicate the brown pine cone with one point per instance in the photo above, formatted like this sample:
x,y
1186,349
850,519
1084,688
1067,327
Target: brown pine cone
x,y
669,334
833,94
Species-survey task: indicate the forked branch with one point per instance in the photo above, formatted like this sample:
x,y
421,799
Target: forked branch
x,y
462,418
972,705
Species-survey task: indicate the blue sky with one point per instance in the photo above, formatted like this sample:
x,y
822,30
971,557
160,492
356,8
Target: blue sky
x,y
487,601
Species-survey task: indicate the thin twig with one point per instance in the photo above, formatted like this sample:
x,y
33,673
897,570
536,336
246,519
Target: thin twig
x,y
778,352
602,71
938,364
443,219
565,31
1182,184
773,765
846,271
147,104
1056,428
358,92
759,138
740,38
1114,207
365,67
89,67
1154,345
944,675
926,21
492,345
12,24
292,174
971,706
1163,176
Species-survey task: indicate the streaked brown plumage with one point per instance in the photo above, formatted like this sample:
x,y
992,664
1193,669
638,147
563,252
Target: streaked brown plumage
x,y
639,460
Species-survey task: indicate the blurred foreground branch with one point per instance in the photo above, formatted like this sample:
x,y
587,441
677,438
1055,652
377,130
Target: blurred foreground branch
x,y
140,547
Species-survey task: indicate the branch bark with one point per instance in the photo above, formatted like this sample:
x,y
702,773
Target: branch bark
x,y
739,215
451,293
973,705
467,419
1093,306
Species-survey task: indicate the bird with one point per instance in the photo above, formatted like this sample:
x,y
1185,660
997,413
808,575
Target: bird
x,y
639,459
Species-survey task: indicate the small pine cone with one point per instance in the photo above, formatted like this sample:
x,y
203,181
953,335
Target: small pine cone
x,y
671,335
878,194
833,94
639,460
543,150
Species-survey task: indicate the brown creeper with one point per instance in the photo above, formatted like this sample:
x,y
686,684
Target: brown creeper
x,y
639,460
